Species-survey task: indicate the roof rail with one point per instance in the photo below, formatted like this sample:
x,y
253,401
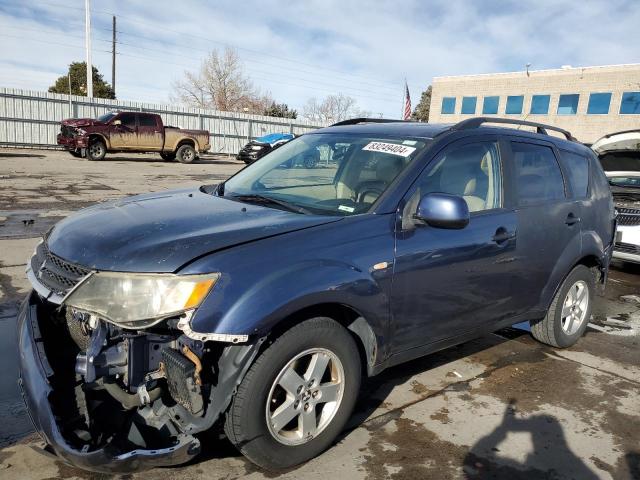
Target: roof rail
x,y
540,127
355,121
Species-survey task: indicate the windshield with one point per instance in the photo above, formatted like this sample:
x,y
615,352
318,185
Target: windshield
x,y
327,174
106,117
626,181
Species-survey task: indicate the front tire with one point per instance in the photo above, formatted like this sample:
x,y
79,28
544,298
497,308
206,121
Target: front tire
x,y
186,154
97,150
297,396
570,310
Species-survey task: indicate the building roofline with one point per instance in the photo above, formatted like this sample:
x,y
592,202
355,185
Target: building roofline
x,y
548,70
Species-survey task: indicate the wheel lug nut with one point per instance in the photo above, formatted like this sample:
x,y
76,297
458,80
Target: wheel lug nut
x,y
306,407
315,394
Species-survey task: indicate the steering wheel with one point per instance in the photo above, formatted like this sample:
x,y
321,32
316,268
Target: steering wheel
x,y
365,188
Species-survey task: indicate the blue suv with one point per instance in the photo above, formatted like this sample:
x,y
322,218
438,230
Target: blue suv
x,y
259,303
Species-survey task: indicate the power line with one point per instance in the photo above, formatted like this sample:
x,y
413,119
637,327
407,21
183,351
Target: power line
x,y
308,83
377,84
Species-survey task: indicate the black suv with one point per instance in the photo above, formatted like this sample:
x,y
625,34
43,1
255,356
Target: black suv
x,y
260,302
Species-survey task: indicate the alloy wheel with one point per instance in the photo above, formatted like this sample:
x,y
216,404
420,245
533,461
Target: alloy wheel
x,y
305,396
574,307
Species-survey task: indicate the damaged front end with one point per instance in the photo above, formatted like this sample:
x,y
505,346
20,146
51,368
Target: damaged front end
x,y
111,394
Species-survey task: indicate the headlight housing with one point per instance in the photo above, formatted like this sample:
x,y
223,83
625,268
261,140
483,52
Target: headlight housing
x,y
140,300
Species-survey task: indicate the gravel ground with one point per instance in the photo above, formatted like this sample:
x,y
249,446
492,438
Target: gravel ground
x,y
502,406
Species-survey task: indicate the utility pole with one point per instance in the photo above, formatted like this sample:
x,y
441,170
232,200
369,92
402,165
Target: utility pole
x,y
113,57
87,34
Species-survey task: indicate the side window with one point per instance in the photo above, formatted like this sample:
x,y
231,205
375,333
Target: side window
x,y
128,120
472,171
538,175
146,120
577,169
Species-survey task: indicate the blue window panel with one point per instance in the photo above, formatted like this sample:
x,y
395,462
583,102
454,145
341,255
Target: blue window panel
x,y
469,105
540,104
599,103
490,105
514,104
568,104
448,105
630,103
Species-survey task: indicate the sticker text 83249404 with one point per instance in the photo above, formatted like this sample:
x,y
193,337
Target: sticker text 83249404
x,y
391,148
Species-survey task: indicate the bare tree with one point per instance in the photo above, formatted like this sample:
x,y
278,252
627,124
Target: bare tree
x,y
221,84
333,108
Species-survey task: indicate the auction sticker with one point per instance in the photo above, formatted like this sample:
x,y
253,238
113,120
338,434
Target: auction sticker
x,y
391,148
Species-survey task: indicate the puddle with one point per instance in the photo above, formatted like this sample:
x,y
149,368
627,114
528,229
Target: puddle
x,y
26,224
13,416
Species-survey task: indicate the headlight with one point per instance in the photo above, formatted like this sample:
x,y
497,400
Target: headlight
x,y
135,300
256,147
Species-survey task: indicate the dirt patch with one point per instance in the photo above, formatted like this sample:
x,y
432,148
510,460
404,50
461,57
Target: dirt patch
x,y
441,416
418,388
411,451
534,378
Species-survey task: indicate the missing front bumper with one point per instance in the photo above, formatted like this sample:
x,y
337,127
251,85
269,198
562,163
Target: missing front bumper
x,y
35,382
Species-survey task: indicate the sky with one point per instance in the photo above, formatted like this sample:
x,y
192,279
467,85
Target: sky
x,y
301,49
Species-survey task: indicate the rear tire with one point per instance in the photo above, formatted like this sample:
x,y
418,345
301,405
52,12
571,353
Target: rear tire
x,y
570,310
186,154
308,425
96,150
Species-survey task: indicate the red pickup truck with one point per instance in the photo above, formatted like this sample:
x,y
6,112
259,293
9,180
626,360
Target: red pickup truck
x,y
131,132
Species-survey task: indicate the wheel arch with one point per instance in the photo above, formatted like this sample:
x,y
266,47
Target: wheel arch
x,y
187,141
98,136
347,316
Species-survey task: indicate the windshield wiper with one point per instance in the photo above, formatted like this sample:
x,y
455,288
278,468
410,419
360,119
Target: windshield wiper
x,y
262,200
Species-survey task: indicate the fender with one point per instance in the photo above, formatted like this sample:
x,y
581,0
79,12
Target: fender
x,y
106,141
260,307
587,244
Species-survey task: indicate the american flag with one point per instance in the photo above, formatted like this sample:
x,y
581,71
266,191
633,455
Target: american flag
x,y
407,103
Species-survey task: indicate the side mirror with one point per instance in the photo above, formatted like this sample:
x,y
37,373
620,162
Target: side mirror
x,y
117,122
442,210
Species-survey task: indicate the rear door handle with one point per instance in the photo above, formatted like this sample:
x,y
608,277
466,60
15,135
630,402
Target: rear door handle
x,y
503,235
572,219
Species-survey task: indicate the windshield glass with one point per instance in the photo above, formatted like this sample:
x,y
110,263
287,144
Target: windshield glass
x,y
106,117
328,174
628,181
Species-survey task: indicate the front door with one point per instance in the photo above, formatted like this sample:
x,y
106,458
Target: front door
x,y
447,282
125,135
150,134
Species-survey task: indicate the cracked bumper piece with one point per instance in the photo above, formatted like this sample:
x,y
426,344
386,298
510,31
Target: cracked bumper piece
x,y
35,374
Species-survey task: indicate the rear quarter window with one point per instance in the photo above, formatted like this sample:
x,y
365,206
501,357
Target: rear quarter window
x,y
576,167
538,176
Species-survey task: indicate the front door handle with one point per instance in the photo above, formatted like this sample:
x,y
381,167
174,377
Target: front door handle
x,y
572,219
503,235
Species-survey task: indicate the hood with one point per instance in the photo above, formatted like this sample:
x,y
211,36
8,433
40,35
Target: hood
x,y
81,122
619,141
161,232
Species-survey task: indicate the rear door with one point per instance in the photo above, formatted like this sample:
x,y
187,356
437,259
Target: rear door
x,y
150,132
548,221
125,135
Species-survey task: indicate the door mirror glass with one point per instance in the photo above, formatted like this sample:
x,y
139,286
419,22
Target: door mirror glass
x,y
443,210
117,122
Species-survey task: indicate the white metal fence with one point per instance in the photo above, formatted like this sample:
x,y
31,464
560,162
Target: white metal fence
x,y
31,119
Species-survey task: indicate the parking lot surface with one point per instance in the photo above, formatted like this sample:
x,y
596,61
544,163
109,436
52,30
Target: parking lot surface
x,y
502,406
